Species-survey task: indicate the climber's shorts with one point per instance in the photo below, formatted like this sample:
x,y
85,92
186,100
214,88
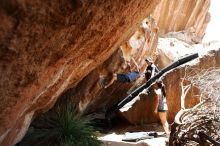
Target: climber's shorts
x,y
123,78
133,75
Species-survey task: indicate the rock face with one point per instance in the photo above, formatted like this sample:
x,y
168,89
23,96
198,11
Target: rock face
x,y
72,46
49,46
184,15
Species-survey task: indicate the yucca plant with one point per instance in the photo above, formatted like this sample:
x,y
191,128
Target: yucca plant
x,y
61,126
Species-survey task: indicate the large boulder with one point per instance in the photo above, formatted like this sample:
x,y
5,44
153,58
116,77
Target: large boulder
x,y
49,46
52,47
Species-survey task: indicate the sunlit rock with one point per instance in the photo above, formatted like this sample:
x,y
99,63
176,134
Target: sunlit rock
x,y
49,46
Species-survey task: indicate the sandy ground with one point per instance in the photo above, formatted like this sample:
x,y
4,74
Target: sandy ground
x,y
114,137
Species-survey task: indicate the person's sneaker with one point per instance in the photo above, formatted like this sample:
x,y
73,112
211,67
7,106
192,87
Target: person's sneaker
x,y
167,139
167,142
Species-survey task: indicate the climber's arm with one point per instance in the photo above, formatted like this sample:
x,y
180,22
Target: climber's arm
x,y
114,77
137,68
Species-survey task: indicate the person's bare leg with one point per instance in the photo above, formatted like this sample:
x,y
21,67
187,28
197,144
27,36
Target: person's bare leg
x,y
163,119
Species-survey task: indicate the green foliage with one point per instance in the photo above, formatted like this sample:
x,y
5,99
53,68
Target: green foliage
x,y
61,127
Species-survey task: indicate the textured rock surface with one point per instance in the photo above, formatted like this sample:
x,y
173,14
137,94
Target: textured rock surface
x,y
189,15
89,93
92,98
49,46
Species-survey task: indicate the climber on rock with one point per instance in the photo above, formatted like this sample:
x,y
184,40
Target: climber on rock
x,y
131,76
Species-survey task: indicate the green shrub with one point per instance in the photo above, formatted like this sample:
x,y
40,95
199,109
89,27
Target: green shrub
x,y
61,127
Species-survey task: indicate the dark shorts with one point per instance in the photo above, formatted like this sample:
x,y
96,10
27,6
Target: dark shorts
x,y
162,107
122,78
162,110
